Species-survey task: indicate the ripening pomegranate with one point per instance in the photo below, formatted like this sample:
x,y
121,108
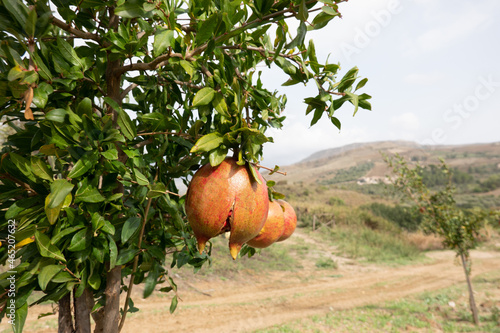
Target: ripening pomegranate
x,y
226,198
290,220
273,228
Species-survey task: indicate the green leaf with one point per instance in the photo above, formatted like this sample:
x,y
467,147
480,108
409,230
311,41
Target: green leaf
x,y
299,39
157,190
47,249
40,169
59,190
203,97
46,274
217,156
113,252
110,154
336,122
207,142
125,256
207,29
81,240
31,23
94,280
18,10
88,194
163,39
67,231
84,107
329,10
353,98
318,113
22,164
150,282
130,9
173,304
303,11
361,84
187,67
53,213
84,164
129,228
220,105
253,172
69,54
321,20
62,277
108,228
21,314
140,178
97,221
126,125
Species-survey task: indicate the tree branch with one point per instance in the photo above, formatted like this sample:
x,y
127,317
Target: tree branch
x,y
77,32
127,90
154,64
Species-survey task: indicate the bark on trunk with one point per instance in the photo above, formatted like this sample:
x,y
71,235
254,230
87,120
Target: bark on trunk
x,y
65,320
111,315
82,313
472,301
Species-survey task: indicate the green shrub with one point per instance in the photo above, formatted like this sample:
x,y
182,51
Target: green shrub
x,y
402,216
326,263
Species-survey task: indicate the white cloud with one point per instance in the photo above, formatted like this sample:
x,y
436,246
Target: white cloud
x,y
424,78
406,122
297,141
457,27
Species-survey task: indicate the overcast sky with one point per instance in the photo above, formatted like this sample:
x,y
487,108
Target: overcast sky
x,y
433,70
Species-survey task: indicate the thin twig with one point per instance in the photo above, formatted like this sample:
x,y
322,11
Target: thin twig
x,y
134,267
162,133
269,169
69,271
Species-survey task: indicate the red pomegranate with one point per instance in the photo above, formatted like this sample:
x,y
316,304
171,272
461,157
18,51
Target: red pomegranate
x,y
226,198
273,228
290,220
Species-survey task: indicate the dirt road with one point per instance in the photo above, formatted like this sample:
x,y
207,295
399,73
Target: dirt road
x,y
283,297
260,301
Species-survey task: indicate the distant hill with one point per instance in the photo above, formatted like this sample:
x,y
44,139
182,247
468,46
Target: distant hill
x,y
365,160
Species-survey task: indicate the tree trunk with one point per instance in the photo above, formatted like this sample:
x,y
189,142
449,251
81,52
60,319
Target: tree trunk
x,y
472,301
65,320
82,313
111,315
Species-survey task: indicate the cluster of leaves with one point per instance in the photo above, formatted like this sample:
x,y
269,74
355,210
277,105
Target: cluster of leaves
x,y
459,228
117,100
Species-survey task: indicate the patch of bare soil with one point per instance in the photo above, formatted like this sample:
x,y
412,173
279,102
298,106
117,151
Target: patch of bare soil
x,y
256,301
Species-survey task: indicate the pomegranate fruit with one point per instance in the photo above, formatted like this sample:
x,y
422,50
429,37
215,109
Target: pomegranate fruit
x,y
290,220
226,198
273,228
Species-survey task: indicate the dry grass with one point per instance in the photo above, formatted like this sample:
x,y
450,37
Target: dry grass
x,y
425,242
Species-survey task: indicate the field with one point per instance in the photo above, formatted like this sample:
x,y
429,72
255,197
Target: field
x,y
357,262
318,291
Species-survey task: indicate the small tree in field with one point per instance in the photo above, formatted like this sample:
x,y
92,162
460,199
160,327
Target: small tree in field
x,y
117,100
458,228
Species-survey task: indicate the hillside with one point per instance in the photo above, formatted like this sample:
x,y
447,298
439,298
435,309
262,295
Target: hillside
x,y
321,164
